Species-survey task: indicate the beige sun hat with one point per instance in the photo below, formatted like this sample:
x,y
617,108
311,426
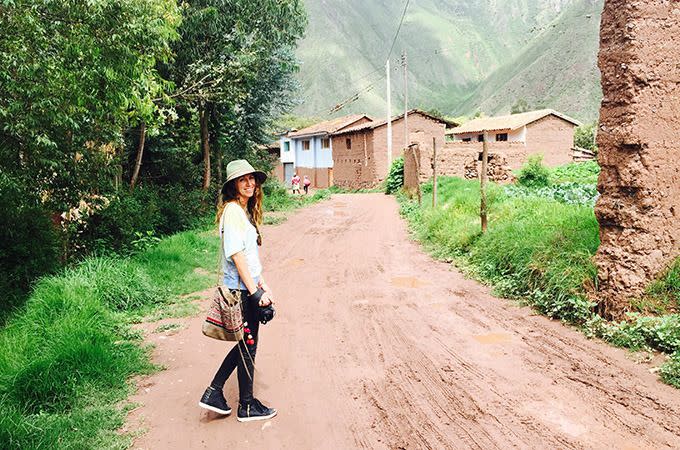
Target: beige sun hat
x,y
239,167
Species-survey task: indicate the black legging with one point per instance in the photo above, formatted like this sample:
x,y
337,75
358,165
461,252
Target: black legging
x,y
234,360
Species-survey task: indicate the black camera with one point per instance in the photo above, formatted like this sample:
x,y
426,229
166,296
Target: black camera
x,y
267,313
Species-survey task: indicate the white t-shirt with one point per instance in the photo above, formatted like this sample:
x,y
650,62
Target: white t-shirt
x,y
239,236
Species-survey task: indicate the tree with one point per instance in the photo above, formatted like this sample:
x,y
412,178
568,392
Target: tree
x,y
520,106
74,74
233,69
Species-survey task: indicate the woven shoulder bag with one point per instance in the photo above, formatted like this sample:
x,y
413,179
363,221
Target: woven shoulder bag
x,y
225,317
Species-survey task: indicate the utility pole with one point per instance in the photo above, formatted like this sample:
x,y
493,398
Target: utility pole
x,y
404,64
434,172
389,117
482,182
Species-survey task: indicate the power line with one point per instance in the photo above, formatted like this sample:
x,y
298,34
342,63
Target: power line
x,y
401,21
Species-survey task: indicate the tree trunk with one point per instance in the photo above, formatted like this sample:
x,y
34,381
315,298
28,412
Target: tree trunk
x,y
138,159
205,145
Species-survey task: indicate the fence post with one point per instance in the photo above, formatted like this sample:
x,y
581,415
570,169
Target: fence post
x,y
434,172
482,183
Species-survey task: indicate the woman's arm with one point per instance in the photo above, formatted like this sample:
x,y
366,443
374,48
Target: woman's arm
x,y
242,266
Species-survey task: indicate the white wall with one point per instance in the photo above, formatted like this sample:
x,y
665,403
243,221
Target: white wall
x,y
314,157
518,135
288,156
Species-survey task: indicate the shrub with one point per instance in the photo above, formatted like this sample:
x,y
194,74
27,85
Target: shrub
x,y
584,136
666,290
670,371
534,173
395,177
29,243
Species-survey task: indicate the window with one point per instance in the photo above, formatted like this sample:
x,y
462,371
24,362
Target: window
x,y
467,139
325,143
480,138
305,144
286,146
502,136
348,143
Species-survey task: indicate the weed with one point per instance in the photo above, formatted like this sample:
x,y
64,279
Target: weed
x,y
534,173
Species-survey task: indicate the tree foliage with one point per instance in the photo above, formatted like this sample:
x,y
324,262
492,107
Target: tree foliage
x,y
584,136
96,95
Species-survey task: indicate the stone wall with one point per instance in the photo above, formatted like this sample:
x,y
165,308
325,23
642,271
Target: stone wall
x,y
452,157
639,147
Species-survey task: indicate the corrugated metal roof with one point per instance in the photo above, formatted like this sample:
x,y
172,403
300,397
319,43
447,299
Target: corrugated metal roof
x,y
328,126
376,124
509,122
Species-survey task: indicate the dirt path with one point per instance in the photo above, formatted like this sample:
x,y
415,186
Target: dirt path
x,y
378,346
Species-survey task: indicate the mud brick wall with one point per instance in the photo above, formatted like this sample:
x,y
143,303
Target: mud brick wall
x,y
353,167
421,129
553,138
453,156
639,142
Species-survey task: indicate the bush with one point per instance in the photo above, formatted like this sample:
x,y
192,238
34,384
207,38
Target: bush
x,y
395,177
584,136
666,290
534,173
29,243
670,371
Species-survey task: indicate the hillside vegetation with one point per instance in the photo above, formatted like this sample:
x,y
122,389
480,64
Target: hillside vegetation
x,y
463,56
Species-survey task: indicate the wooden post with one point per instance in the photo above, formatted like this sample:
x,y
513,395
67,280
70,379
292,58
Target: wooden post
x,y
417,163
434,172
482,183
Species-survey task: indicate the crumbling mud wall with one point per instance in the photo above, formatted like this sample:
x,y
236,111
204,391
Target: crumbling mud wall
x,y
639,142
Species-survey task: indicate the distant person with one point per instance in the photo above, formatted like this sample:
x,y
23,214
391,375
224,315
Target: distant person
x,y
239,217
306,184
295,182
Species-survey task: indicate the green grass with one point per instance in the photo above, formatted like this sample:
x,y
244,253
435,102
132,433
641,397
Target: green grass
x,y
67,356
278,198
539,250
582,172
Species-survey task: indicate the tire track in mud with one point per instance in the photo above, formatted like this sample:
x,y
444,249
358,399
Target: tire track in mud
x,y
377,346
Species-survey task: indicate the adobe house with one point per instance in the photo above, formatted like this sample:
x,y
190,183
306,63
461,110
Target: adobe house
x,y
309,151
360,151
545,131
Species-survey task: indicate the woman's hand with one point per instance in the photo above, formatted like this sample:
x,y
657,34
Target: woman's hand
x,y
268,297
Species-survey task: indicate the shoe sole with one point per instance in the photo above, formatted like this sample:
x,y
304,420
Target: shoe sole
x,y
252,419
213,409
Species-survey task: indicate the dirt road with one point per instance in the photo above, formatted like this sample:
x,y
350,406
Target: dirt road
x,y
378,346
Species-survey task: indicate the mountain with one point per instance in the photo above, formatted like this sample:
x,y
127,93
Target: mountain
x,y
458,52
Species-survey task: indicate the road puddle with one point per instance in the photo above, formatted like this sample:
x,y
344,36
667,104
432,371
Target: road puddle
x,y
493,338
408,282
294,262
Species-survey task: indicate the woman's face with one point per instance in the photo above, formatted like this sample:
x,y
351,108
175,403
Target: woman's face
x,y
245,185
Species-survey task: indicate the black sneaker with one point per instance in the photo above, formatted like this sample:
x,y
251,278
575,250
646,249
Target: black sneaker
x,y
254,411
213,399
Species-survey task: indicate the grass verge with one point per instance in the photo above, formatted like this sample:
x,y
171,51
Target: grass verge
x,y
67,356
538,250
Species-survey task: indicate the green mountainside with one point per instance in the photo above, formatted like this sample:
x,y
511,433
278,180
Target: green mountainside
x,y
463,56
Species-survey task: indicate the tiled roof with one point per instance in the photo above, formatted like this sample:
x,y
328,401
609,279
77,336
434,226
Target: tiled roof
x,y
376,124
328,126
509,122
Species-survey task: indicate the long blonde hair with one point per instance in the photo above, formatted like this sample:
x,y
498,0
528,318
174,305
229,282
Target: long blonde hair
x,y
254,208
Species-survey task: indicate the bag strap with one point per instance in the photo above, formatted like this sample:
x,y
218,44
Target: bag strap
x,y
220,272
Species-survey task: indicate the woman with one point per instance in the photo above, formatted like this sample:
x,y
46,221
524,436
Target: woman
x,y
295,183
239,217
307,182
